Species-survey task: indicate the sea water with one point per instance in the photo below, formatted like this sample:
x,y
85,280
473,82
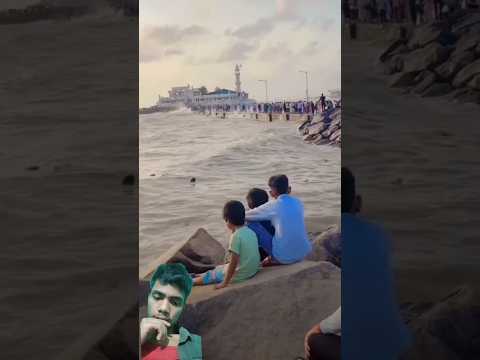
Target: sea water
x,y
226,157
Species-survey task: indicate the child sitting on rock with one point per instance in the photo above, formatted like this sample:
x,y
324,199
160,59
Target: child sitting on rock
x,y
243,258
263,229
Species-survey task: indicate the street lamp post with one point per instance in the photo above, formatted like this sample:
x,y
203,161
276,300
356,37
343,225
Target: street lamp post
x,y
306,81
266,89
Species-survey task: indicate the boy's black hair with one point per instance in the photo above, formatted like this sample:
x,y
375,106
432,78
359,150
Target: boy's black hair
x,y
279,183
175,274
234,213
256,197
348,190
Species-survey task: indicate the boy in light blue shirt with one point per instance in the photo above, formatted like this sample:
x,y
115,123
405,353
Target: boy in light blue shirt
x,y
290,243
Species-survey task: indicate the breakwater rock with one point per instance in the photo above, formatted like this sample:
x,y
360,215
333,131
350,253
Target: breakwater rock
x,y
324,129
199,253
448,329
437,59
265,317
245,311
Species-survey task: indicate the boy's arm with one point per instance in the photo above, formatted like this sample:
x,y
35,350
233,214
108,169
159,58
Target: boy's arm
x,y
263,212
230,270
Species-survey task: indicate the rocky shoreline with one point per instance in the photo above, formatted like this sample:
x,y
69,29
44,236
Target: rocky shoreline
x,y
448,328
324,130
212,313
318,129
437,59
236,308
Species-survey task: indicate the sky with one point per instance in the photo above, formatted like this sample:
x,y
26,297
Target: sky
x,y
192,42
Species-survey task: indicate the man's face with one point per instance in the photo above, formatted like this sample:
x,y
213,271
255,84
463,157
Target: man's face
x,y
165,302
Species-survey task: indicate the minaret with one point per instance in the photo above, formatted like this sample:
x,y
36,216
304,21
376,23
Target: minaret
x,y
237,79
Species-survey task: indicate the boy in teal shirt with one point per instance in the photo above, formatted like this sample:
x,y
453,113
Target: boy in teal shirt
x,y
243,258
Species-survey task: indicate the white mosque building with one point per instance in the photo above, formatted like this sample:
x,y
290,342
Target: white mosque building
x,y
198,99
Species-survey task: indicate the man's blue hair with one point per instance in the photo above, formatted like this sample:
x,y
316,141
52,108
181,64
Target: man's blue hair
x,y
173,274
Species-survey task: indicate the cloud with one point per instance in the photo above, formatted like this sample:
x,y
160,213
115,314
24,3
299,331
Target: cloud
x,y
237,51
311,48
155,54
146,56
275,52
157,41
173,52
164,35
260,27
195,61
265,25
325,24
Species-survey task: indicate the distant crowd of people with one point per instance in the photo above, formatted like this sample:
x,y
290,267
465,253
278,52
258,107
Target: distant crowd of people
x,y
416,11
292,107
296,107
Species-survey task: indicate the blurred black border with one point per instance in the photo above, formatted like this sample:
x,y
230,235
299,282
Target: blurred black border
x,y
416,161
69,194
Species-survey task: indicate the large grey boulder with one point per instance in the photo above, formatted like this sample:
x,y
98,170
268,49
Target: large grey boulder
x,y
466,95
425,35
467,23
475,82
467,42
204,248
265,317
326,130
335,135
402,79
393,65
437,89
327,246
337,120
455,63
466,74
322,141
449,329
396,47
331,130
426,58
316,128
444,54
425,80
199,253
311,137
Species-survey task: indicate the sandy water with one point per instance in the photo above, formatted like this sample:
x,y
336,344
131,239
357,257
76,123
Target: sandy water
x,y
227,157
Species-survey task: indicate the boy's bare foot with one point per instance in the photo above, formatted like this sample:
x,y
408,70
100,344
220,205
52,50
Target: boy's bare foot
x,y
269,262
198,280
220,286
